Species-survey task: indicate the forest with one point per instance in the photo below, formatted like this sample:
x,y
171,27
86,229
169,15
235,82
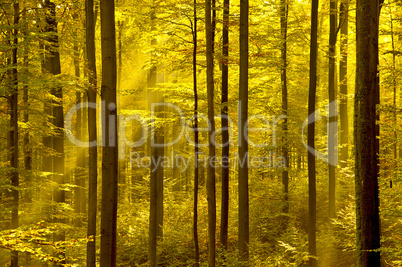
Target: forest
x,y
200,133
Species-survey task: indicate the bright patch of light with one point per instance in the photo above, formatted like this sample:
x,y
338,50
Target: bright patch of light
x,y
40,6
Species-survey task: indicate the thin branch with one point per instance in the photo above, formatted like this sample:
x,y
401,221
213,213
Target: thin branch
x,y
181,38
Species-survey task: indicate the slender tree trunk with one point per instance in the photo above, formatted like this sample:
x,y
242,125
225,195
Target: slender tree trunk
x,y
244,235
80,159
47,141
211,143
225,128
153,152
122,162
213,25
395,119
156,147
110,137
52,66
14,132
160,141
27,146
58,162
153,221
159,134
120,65
343,88
92,134
79,168
285,153
196,168
332,126
311,136
152,217
365,134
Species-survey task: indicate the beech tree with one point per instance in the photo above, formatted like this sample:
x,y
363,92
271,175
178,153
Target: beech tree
x,y
332,125
284,11
156,179
211,142
312,228
225,127
14,129
51,65
196,139
109,136
343,83
367,97
244,235
92,133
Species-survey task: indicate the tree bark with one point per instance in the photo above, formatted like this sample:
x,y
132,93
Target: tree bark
x,y
122,162
80,159
92,134
160,140
285,153
196,167
14,131
244,235
395,118
211,143
311,136
343,81
156,153
52,65
365,134
332,125
153,223
47,141
110,137
153,152
27,146
225,128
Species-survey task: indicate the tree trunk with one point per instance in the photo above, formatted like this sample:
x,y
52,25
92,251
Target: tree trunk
x,y
120,66
110,137
160,140
80,159
196,167
47,141
27,146
52,66
285,153
211,144
365,134
92,134
332,125
311,136
395,118
244,235
225,128
122,162
14,131
153,223
343,88
153,152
